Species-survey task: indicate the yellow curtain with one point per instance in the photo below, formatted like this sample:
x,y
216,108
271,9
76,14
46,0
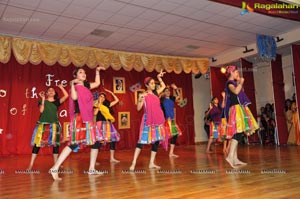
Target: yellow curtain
x,y
35,52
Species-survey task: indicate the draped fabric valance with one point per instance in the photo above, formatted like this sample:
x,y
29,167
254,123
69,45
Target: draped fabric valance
x,y
35,52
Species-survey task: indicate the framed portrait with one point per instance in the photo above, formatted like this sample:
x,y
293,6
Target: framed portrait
x,y
119,85
124,120
137,94
66,132
179,93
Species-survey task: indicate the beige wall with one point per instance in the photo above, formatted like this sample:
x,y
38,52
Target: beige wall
x,y
287,64
201,98
263,81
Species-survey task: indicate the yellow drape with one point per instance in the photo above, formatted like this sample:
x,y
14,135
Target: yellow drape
x,y
35,52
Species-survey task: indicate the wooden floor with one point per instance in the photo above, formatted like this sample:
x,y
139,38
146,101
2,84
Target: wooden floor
x,y
272,172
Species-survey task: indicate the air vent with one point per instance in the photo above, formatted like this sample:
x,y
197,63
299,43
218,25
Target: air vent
x,y
101,33
191,47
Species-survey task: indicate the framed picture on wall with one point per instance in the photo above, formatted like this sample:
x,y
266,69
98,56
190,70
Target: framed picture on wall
x,y
66,132
124,120
119,85
137,95
179,93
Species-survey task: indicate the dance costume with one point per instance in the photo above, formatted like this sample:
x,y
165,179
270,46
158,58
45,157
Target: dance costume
x,y
48,128
294,129
239,116
82,127
217,124
297,127
152,128
104,122
171,127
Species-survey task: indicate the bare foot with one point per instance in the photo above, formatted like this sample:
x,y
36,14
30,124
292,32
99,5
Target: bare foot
x,y
230,161
210,151
132,167
173,156
54,174
237,162
153,166
114,161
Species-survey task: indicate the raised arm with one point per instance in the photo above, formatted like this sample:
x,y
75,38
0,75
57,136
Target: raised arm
x,y
237,90
223,100
42,105
210,108
65,94
73,90
97,78
116,99
141,101
161,82
177,96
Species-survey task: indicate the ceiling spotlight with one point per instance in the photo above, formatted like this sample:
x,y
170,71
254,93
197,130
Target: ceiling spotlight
x,y
223,70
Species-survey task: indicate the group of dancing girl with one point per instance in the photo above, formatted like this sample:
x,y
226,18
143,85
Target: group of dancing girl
x,y
91,123
156,126
232,118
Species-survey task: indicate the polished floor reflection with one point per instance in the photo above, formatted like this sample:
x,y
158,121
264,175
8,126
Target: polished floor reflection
x,y
272,172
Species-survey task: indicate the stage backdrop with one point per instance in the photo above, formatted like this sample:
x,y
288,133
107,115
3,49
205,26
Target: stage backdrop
x,y
20,85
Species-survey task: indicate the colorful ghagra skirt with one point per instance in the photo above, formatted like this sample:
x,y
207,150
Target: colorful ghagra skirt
x,y
46,134
218,130
172,128
83,133
240,120
107,131
152,133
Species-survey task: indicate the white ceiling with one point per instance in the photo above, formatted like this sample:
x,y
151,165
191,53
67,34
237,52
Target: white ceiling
x,y
152,26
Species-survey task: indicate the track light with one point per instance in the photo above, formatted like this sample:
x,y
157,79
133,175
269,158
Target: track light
x,y
197,76
247,50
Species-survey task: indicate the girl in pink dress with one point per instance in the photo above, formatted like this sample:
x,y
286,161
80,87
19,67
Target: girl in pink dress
x,y
82,126
152,129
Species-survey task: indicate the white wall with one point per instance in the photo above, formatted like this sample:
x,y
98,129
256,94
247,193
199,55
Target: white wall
x,y
263,81
201,98
287,65
263,85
